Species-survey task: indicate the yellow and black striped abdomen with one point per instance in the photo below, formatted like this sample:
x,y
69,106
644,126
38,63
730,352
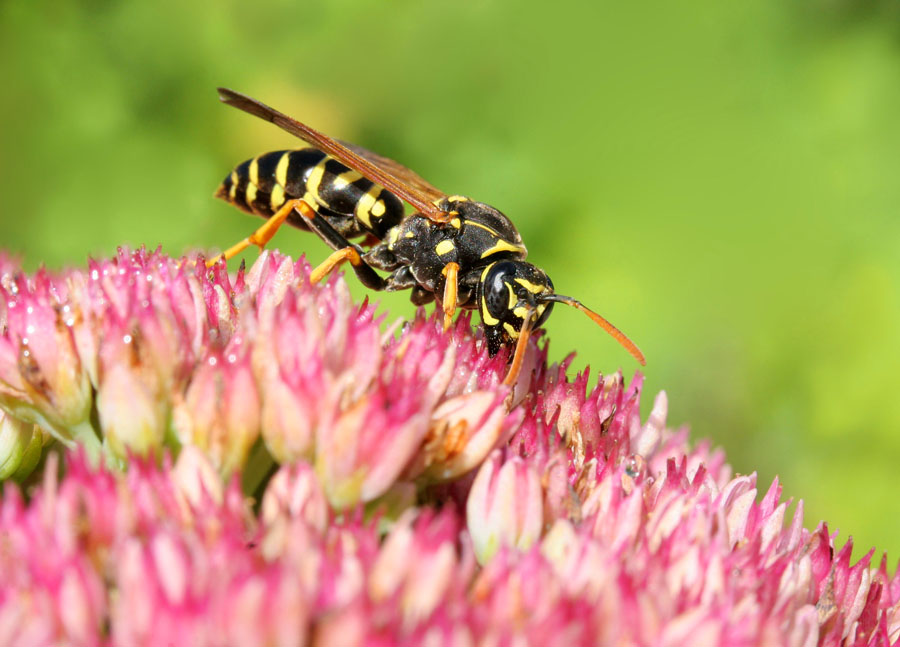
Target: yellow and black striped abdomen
x,y
352,204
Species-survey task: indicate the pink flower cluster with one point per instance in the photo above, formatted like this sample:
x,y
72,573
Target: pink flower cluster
x,y
415,500
167,353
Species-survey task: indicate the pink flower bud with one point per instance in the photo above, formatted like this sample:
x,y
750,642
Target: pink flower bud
x,y
132,404
505,505
42,378
295,492
220,411
462,433
20,447
417,564
369,445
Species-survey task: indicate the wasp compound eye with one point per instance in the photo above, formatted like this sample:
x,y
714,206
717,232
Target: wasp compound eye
x,y
499,292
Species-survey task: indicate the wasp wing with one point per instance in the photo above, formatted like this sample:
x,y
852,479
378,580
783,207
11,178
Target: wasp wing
x,y
397,170
394,177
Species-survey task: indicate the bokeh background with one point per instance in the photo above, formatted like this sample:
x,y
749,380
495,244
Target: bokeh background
x,y
721,180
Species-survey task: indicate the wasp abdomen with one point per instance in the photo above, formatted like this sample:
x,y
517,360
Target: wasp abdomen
x,y
352,204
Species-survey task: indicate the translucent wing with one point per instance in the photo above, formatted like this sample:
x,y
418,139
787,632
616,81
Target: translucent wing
x,y
394,177
397,170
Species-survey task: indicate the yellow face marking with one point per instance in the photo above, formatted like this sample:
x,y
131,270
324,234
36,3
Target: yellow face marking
x,y
345,178
521,312
540,311
254,171
486,270
531,287
486,316
444,247
456,223
502,246
366,202
277,197
393,235
282,169
512,331
378,208
513,299
250,194
409,234
232,192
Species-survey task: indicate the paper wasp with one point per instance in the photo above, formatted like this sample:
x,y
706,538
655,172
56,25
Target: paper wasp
x,y
464,253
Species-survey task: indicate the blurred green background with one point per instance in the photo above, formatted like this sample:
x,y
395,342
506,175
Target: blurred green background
x,y
721,180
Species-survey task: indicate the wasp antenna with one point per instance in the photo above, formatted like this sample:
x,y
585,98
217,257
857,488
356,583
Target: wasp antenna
x,y
521,344
617,334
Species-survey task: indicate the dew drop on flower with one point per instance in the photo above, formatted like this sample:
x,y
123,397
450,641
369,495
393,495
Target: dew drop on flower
x,y
635,466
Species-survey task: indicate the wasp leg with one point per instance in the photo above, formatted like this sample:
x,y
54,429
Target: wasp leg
x,y
335,259
451,272
344,251
515,367
420,296
382,258
400,279
264,233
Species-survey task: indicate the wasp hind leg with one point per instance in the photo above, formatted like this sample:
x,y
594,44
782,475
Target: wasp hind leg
x,y
344,251
364,273
264,233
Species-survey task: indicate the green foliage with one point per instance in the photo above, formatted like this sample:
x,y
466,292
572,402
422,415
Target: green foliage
x,y
718,179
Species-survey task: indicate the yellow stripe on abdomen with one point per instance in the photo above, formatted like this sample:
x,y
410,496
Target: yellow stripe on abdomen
x,y
277,197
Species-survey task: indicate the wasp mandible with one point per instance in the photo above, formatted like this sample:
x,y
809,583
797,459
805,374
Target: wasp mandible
x,y
463,253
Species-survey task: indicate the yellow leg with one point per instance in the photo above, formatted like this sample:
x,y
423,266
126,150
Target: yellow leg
x,y
265,232
451,271
335,259
515,367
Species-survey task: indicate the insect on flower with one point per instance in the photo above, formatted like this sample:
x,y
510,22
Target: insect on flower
x,y
461,252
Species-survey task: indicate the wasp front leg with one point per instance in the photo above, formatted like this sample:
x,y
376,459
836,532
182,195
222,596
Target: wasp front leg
x,y
451,286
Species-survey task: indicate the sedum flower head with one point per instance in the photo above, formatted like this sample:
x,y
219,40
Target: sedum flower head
x,y
264,461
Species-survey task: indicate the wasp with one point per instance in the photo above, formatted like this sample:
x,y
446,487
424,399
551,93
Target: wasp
x,y
463,253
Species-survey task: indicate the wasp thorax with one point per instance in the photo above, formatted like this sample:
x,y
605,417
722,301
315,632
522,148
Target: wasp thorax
x,y
511,292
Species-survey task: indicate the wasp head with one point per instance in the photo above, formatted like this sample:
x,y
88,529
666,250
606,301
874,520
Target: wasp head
x,y
509,294
515,297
